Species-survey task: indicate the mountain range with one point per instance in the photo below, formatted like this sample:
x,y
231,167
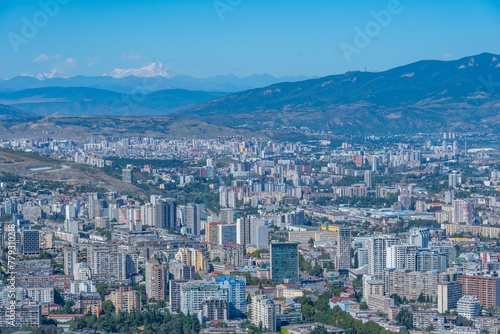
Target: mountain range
x,y
152,77
458,95
82,101
424,96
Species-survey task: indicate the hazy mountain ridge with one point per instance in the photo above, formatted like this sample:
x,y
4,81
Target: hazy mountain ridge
x,y
460,94
125,83
84,101
8,113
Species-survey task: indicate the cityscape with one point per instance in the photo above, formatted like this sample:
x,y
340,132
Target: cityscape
x,y
139,199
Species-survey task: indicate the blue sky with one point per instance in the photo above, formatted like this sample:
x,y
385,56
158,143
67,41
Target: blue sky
x,y
92,37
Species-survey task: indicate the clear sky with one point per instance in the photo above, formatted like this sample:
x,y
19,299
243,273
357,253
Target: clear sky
x,y
205,37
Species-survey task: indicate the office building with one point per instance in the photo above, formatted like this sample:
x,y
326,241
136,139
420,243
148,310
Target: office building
x,y
261,239
377,254
227,234
343,256
284,261
192,223
31,242
165,214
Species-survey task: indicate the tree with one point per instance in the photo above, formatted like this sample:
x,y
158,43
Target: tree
x,y
101,289
405,318
397,299
319,330
108,307
311,242
363,305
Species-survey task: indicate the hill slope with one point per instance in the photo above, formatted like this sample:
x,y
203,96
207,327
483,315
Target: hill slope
x,y
7,112
83,101
423,96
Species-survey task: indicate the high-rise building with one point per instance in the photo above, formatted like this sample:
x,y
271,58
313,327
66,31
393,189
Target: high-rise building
x,y
284,261
449,196
377,254
193,224
454,179
420,237
70,260
175,293
401,257
448,295
369,178
428,261
226,216
374,164
227,234
31,242
127,175
462,212
343,256
261,236
156,280
214,309
212,232
128,301
192,257
105,262
236,297
485,288
181,271
165,214
242,231
194,293
264,312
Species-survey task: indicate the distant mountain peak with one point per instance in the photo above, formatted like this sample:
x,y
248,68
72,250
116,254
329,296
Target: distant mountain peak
x,y
55,73
149,70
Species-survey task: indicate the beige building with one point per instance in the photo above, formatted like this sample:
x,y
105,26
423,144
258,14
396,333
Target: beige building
x,y
192,257
380,303
448,295
410,284
264,312
126,301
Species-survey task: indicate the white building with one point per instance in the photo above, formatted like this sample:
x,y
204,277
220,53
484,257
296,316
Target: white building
x,y
264,312
469,307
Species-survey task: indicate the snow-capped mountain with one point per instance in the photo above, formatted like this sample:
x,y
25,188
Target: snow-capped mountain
x,y
55,73
149,70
